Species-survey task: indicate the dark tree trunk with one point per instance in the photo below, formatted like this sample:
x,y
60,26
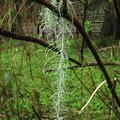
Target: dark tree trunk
x,y
111,25
117,29
108,25
117,21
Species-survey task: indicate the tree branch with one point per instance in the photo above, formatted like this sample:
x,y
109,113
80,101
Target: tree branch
x,y
42,42
82,66
26,38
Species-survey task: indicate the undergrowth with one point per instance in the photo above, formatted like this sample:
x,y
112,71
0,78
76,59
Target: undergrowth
x,y
25,88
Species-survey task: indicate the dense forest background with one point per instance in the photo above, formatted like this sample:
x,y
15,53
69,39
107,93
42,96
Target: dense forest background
x,y
59,59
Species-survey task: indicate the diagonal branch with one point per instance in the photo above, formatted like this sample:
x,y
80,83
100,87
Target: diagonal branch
x,y
42,42
78,25
26,38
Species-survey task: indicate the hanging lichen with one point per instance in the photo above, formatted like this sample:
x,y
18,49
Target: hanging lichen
x,y
59,27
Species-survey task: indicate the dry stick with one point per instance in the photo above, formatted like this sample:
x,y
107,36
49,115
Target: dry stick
x,y
87,39
1,115
92,96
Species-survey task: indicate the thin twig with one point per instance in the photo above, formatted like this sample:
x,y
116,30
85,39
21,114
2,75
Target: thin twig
x,y
36,113
17,13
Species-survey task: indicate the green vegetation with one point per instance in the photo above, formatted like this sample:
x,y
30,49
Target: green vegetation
x,y
54,55
25,88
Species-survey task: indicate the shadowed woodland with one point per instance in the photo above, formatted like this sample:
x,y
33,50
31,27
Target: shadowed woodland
x,y
59,59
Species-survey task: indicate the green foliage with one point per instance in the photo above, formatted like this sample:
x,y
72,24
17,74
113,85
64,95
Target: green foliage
x,y
25,91
23,84
88,26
